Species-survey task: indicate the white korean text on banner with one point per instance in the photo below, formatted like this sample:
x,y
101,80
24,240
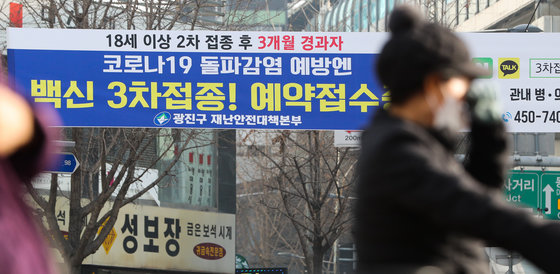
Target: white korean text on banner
x,y
269,80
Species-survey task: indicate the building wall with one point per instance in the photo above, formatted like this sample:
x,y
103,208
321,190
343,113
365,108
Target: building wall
x,y
460,15
495,13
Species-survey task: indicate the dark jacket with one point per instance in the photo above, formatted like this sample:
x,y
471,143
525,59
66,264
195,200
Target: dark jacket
x,y
418,206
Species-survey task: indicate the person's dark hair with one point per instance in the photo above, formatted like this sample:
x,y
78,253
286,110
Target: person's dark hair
x,y
416,49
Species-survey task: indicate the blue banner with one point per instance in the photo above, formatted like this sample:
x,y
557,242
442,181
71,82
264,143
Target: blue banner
x,y
299,90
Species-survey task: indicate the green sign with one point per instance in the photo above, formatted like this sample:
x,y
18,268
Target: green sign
x,y
551,195
522,189
539,190
486,63
240,262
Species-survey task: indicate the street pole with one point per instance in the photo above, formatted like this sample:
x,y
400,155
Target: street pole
x,y
510,259
336,209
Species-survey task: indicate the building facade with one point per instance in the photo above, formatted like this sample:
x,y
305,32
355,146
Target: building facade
x,y
461,15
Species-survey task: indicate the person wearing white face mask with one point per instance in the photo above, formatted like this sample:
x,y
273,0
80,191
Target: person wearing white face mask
x,y
418,209
451,114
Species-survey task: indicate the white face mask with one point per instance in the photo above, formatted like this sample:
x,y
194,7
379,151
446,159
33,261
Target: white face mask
x,y
450,116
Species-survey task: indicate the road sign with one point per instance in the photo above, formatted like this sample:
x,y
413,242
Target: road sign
x,y
522,189
347,138
539,190
551,195
67,163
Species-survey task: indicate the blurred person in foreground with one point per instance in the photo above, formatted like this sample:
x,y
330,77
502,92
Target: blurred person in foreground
x,y
419,210
23,153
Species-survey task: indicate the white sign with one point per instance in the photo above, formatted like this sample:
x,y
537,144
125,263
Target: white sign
x,y
181,41
143,178
527,69
170,239
347,138
43,181
150,237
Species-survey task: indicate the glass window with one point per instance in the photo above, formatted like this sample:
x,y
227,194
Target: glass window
x,y
464,10
328,20
323,22
348,15
472,8
356,15
478,7
373,12
456,11
345,19
313,24
382,8
340,17
331,18
448,15
364,15
391,5
194,176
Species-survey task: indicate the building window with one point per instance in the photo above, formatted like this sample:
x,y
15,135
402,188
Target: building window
x,y
193,179
364,15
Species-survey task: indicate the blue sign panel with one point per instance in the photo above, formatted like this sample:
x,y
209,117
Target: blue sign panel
x,y
111,86
67,163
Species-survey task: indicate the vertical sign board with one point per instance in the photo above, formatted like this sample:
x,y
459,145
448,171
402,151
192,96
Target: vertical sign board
x,y
16,15
550,184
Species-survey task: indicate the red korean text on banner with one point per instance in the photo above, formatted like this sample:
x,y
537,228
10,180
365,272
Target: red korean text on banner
x,y
16,15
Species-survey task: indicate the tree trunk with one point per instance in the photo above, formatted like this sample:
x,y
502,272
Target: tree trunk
x,y
317,258
76,268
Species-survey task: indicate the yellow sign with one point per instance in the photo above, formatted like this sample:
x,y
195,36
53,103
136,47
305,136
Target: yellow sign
x,y
508,68
110,239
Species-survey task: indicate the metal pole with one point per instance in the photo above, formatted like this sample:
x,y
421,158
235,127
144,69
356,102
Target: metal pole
x,y
355,258
510,260
537,161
